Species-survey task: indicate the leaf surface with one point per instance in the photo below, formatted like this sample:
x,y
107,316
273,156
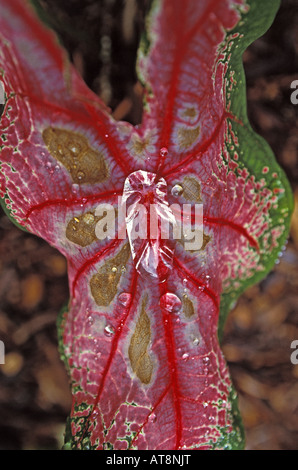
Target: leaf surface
x,y
140,334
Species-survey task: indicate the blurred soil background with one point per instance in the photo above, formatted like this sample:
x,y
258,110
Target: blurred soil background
x,y
102,37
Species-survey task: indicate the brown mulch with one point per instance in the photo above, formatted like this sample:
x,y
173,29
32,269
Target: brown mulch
x,y
34,392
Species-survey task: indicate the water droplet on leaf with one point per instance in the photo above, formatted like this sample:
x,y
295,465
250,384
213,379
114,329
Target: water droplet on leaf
x,y
163,152
109,330
170,302
49,167
152,418
177,190
124,298
94,414
75,188
80,175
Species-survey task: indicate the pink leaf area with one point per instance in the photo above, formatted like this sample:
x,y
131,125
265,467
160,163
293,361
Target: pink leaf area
x,y
140,334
